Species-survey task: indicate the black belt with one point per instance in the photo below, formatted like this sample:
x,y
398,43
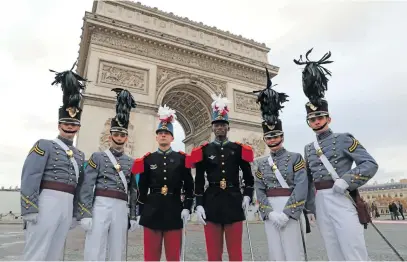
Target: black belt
x,y
228,184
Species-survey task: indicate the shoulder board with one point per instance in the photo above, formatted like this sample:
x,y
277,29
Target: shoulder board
x,y
138,165
146,154
204,144
181,152
247,152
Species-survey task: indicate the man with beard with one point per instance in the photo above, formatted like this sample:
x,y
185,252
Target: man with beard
x,y
221,208
166,174
50,176
281,183
329,164
103,212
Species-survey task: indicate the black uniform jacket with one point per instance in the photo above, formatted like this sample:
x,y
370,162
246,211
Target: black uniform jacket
x,y
222,162
166,176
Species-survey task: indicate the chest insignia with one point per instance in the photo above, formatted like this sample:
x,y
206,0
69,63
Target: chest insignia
x,y
69,153
212,157
152,167
117,167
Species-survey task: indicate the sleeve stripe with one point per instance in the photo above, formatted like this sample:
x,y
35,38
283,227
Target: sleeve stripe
x,y
299,165
354,145
37,150
259,175
91,163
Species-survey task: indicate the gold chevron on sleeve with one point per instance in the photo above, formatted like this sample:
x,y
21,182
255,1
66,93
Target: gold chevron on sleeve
x,y
37,149
354,145
259,175
299,165
92,164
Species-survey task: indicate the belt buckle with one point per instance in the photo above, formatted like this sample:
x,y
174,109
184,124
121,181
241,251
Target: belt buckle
x,y
164,190
222,183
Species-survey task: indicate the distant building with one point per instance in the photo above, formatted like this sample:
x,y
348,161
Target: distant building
x,y
383,194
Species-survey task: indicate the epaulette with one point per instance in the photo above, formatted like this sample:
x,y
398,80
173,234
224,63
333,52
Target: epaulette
x,y
247,152
138,165
196,155
182,152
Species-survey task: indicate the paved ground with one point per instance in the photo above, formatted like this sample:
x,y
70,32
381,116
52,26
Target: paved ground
x,y
12,243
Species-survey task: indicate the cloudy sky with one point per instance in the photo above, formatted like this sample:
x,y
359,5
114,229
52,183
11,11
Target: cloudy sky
x,y
367,91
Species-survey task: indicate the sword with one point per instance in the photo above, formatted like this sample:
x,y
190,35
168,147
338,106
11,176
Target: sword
x,y
248,235
303,240
63,255
387,241
184,236
127,241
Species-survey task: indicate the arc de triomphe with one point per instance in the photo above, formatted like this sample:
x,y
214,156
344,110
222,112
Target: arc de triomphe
x,y
165,59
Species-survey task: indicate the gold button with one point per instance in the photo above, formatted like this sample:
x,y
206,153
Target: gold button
x,y
165,157
223,163
165,170
223,171
165,178
221,148
222,155
165,164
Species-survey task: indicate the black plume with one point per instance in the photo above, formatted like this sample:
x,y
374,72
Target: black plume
x,y
125,102
71,85
270,102
314,77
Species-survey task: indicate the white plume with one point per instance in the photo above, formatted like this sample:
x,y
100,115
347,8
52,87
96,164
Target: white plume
x,y
219,103
166,114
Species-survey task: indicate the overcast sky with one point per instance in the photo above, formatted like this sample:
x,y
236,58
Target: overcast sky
x,y
367,92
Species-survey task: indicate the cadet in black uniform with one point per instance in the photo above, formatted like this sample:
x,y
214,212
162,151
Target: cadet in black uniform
x,y
161,212
221,207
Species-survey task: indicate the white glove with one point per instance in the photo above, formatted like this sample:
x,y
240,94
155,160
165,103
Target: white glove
x,y
74,223
134,225
340,186
279,219
200,212
311,219
86,224
32,217
246,202
185,216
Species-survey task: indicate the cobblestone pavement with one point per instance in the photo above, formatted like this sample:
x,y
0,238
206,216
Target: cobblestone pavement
x,y
12,243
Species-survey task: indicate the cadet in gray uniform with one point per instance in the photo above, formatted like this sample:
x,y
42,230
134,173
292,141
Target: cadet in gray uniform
x,y
49,179
329,165
281,183
103,212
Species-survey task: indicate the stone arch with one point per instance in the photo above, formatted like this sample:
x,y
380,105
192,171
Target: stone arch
x,y
190,97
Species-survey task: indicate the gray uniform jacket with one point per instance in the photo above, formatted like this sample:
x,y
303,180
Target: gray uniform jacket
x,y
47,161
102,175
341,149
292,168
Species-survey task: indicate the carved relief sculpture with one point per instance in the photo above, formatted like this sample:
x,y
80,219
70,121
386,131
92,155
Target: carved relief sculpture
x,y
246,103
104,138
120,75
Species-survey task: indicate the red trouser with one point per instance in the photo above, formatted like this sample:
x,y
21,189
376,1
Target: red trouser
x,y
214,240
153,244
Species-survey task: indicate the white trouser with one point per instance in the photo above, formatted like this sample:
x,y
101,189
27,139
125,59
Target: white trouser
x,y
45,240
109,228
284,244
338,222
